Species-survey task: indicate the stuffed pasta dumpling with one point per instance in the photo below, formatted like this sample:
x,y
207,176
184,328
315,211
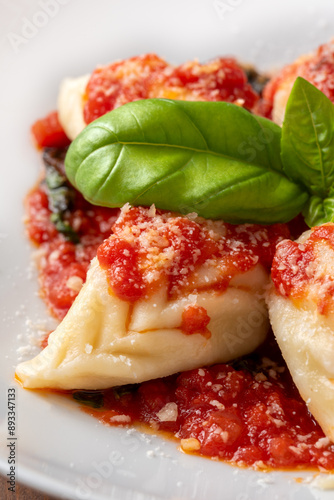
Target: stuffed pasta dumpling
x,y
165,293
301,309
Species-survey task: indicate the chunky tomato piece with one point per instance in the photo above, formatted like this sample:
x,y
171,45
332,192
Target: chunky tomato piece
x,y
39,226
120,259
62,294
48,132
195,319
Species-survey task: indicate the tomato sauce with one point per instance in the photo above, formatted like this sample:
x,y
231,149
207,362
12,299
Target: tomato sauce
x,y
62,264
149,76
248,413
195,319
295,272
151,246
48,132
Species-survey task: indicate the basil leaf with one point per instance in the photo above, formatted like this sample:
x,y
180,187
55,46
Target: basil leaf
x,y
308,138
308,148
319,210
60,193
94,399
64,227
213,158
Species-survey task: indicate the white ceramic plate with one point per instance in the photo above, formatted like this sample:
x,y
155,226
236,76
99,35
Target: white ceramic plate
x,y
60,450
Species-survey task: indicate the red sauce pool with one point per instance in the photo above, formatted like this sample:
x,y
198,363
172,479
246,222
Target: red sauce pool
x,y
248,414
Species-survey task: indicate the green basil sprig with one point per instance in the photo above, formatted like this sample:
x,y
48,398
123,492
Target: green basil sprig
x,y
308,148
60,192
212,158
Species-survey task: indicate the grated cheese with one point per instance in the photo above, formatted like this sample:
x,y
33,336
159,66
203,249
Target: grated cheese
x,y
190,444
168,413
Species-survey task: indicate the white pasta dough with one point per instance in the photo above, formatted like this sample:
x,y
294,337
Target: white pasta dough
x,y
71,104
93,348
